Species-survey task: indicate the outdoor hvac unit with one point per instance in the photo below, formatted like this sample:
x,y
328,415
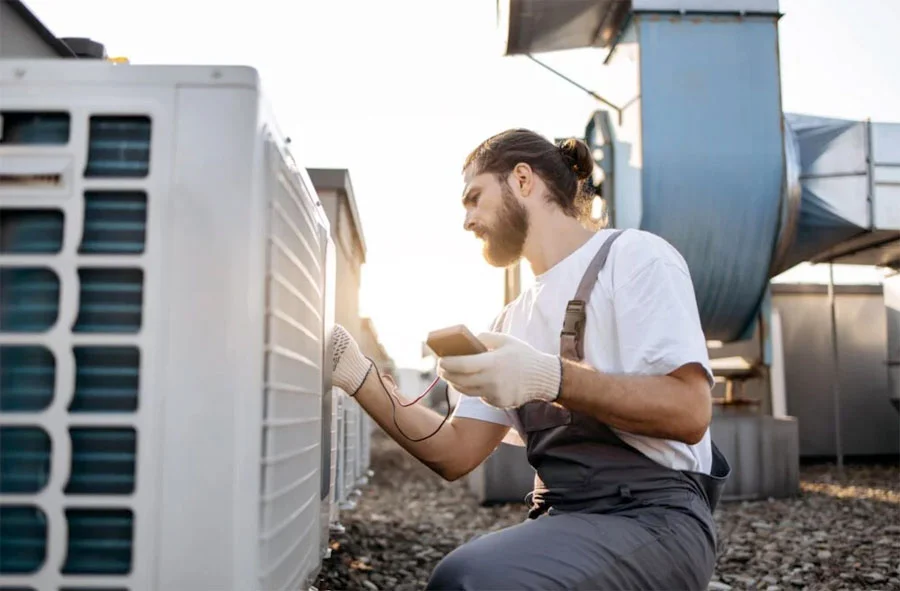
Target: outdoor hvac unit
x,y
366,425
165,295
350,451
353,432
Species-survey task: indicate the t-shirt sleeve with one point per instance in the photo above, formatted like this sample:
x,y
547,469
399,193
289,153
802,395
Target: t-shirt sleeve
x,y
473,407
657,319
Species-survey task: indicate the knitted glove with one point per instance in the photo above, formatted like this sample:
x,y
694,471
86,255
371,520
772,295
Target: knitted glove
x,y
510,374
349,366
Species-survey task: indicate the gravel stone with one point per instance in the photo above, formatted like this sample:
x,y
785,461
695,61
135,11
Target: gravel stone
x,y
838,534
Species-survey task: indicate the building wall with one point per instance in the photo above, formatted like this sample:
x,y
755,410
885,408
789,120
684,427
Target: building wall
x,y
372,347
349,259
348,262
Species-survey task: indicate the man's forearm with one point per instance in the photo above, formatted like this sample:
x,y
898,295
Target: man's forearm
x,y
416,421
667,407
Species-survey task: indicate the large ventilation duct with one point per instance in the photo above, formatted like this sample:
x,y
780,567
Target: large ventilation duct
x,y
700,152
705,82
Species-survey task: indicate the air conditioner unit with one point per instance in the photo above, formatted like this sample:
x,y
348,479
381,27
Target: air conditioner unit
x,y
166,294
348,461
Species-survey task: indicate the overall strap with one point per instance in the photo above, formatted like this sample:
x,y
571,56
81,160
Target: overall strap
x,y
571,339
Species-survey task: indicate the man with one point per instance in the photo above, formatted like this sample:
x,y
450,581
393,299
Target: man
x,y
600,368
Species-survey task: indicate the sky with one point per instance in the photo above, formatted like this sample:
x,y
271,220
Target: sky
x,y
399,91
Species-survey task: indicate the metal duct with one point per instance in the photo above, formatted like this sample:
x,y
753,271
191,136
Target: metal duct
x,y
704,155
790,202
712,171
741,189
834,204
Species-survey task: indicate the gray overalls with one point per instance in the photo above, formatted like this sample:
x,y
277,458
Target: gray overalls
x,y
603,515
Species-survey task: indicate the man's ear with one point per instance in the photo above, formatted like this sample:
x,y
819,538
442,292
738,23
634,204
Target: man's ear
x,y
523,177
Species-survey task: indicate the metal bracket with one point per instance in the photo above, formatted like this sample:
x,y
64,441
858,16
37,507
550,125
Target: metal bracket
x,y
615,108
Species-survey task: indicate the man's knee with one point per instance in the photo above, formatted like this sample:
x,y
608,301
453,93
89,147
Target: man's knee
x,y
453,572
447,574
467,569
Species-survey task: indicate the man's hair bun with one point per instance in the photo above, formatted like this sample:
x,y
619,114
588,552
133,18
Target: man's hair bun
x,y
578,157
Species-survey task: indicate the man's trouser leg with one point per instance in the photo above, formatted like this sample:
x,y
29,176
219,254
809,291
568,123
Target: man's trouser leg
x,y
647,549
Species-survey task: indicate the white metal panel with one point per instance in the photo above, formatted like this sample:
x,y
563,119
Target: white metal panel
x,y
886,144
844,196
839,147
739,6
210,343
886,172
89,72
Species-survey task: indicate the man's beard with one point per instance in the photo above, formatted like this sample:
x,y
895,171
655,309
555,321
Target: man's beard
x,y
504,241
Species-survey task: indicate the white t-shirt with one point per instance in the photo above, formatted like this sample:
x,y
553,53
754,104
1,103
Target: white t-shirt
x,y
642,319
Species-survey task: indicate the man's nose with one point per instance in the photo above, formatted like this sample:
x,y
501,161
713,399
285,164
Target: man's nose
x,y
469,224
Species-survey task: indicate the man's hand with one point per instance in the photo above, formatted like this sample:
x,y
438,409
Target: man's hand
x,y
456,448
510,374
349,366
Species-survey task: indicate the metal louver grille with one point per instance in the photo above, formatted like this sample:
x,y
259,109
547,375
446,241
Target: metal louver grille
x,y
34,128
119,147
23,531
99,541
29,299
106,379
110,300
115,222
31,231
102,461
27,377
24,460
292,406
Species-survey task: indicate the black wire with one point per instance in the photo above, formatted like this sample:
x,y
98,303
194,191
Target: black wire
x,y
394,404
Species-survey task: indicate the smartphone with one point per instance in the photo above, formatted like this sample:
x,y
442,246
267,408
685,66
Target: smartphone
x,y
454,340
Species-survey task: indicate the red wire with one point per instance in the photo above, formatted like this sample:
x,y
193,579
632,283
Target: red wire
x,y
420,397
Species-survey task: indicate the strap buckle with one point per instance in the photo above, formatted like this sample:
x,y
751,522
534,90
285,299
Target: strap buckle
x,y
573,324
